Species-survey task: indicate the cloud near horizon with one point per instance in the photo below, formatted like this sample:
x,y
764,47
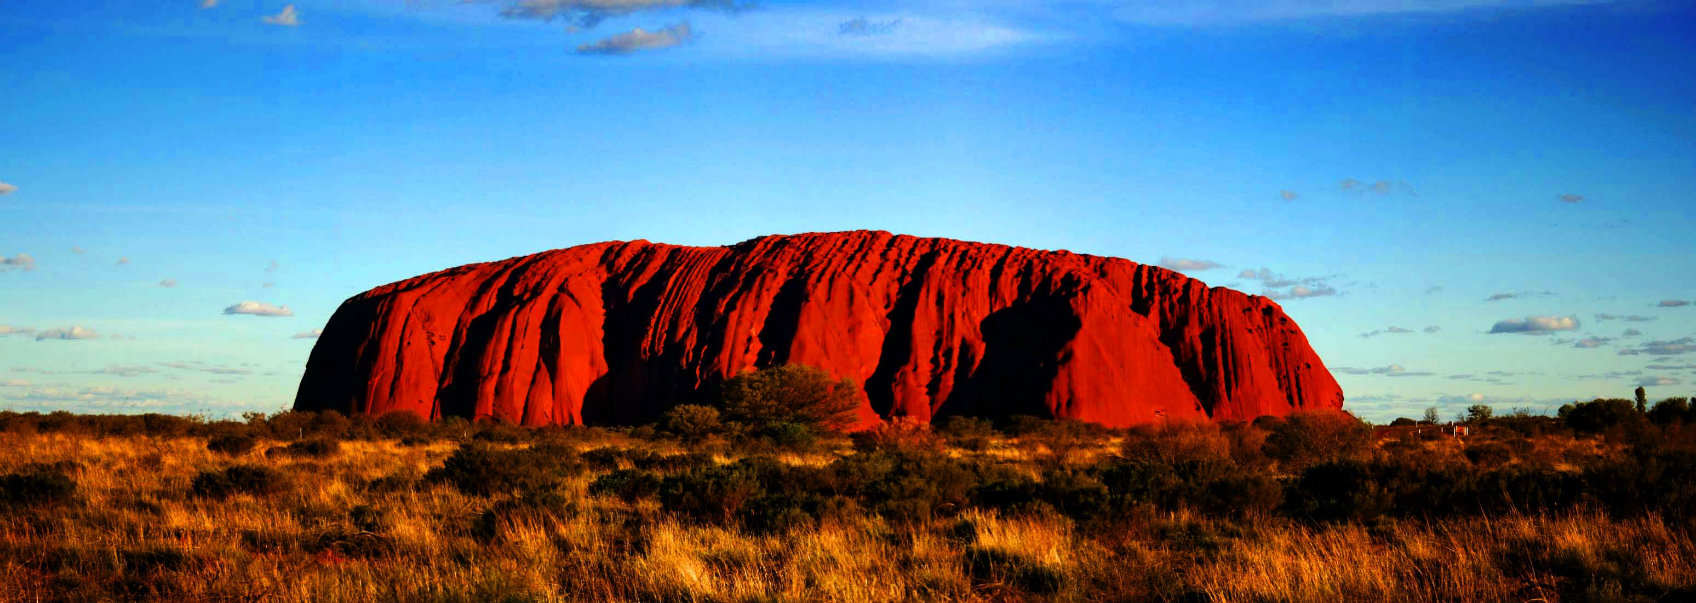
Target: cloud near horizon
x,y
254,308
640,39
68,333
7,330
22,261
1535,325
313,334
1188,264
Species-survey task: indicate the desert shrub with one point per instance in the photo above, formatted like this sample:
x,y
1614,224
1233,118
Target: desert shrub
x,y
238,479
315,448
480,470
604,458
627,484
1312,437
970,433
790,436
1077,494
1650,479
675,462
501,432
896,436
1488,453
1339,491
397,482
1176,444
905,486
989,565
715,494
1062,438
401,424
692,422
368,518
1601,414
232,445
790,394
37,484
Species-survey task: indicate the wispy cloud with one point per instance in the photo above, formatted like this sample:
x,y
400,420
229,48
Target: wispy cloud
x,y
22,261
1392,330
1674,303
67,333
287,18
1394,370
1188,264
254,308
859,26
1657,380
168,283
1210,12
207,368
9,330
1592,342
1570,198
7,189
1288,195
1301,292
1666,347
1535,325
313,334
639,39
1431,329
1631,333
1626,318
126,370
589,13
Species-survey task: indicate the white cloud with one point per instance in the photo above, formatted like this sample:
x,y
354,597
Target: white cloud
x,y
254,308
6,330
638,39
1535,325
1187,264
1671,347
589,13
207,368
126,370
68,333
287,18
1301,292
1657,380
1393,370
22,261
313,334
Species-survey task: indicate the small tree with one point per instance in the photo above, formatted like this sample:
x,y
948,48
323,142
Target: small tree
x,y
692,422
1478,412
1431,415
790,394
1642,399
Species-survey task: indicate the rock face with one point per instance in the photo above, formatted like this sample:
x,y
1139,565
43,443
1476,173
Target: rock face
x,y
619,332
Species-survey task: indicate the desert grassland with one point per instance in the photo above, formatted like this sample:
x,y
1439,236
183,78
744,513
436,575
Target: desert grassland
x,y
360,523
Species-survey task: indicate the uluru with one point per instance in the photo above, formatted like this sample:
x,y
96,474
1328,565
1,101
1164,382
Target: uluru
x,y
618,332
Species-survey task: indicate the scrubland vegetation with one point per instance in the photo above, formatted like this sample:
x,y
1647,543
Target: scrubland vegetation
x,y
757,499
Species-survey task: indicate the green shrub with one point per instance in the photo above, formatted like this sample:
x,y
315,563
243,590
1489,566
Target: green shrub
x,y
627,484
790,394
692,422
238,479
480,470
715,494
970,433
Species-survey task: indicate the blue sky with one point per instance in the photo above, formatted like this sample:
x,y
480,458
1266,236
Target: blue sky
x,y
1447,168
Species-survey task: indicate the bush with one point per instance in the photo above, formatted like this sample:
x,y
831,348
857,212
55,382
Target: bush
x,y
1601,414
37,485
1669,411
627,484
715,494
315,448
232,444
692,422
1488,453
1312,437
970,433
480,470
790,394
238,479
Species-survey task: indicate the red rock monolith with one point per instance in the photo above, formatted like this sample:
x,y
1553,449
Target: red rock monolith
x,y
619,332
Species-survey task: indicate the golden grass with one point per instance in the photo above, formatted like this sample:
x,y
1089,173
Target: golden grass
x,y
137,534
